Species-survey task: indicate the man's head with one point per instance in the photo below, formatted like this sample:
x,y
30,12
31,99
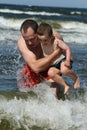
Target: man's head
x,y
29,31
45,32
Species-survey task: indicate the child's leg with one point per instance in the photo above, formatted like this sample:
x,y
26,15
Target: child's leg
x,y
54,74
70,73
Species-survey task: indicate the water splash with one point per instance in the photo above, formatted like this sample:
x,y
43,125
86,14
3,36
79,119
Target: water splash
x,y
40,109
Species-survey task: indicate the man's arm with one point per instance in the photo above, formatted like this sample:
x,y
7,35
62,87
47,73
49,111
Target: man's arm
x,y
30,58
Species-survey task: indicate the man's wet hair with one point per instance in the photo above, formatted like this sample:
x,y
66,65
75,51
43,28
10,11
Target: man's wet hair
x,y
29,23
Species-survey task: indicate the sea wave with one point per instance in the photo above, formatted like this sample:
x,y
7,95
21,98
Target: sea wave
x,y
10,23
29,12
66,28
40,109
78,13
16,23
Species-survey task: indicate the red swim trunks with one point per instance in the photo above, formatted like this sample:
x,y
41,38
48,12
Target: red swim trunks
x,y
31,79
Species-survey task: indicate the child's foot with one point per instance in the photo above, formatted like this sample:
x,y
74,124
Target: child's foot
x,y
66,89
77,83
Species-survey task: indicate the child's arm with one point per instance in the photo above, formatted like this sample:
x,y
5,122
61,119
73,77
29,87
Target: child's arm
x,y
65,49
57,35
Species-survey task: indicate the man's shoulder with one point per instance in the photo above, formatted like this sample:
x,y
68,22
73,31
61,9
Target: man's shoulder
x,y
21,44
20,39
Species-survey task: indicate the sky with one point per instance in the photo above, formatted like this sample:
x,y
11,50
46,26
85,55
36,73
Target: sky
x,y
56,3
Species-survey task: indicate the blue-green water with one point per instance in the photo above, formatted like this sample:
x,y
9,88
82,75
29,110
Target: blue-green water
x,y
39,109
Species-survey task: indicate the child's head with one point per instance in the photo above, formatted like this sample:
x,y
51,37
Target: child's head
x,y
44,32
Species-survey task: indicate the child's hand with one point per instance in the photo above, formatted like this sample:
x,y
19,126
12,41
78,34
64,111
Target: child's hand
x,y
67,63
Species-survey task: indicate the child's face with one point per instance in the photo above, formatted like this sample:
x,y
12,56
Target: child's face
x,y
44,39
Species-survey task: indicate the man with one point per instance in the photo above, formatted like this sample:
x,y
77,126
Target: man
x,y
30,48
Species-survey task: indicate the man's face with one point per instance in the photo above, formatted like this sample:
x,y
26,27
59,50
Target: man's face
x,y
30,37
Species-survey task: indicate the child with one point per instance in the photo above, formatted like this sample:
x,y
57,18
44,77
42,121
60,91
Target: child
x,y
62,65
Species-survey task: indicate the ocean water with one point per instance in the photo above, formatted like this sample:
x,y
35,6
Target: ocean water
x,y
39,109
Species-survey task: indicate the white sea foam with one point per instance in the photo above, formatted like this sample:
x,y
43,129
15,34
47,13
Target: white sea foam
x,y
29,12
74,25
10,23
74,37
76,12
15,24
45,111
74,32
